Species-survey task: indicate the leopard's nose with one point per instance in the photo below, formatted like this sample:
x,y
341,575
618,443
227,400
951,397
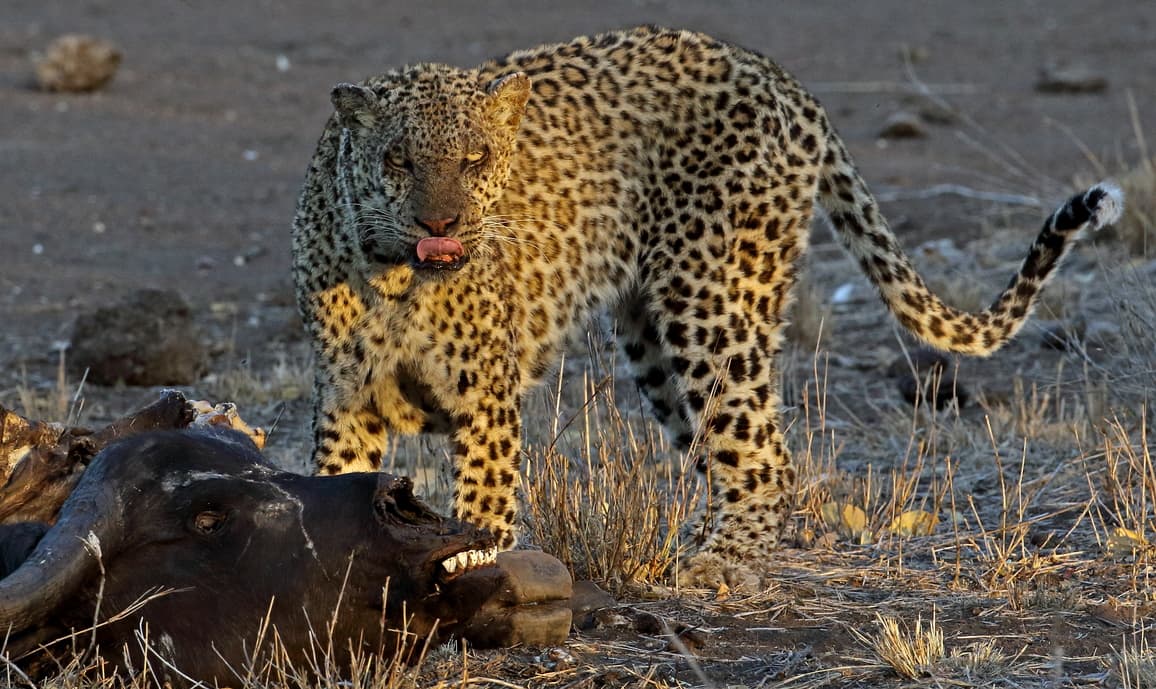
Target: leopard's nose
x,y
437,226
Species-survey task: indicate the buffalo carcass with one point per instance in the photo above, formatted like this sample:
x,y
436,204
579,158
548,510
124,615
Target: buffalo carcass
x,y
230,542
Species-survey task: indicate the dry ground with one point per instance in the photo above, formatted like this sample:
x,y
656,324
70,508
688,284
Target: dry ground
x,y
1038,570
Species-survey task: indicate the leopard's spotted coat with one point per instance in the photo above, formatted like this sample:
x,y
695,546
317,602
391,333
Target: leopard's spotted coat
x,y
665,174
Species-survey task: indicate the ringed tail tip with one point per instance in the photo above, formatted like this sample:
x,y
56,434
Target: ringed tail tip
x,y
1106,201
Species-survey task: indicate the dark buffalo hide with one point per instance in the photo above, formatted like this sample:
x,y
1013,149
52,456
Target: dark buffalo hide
x,y
223,540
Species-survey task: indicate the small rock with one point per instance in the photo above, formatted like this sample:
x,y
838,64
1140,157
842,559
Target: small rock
x,y
587,599
936,113
1103,334
77,63
914,53
903,125
1040,537
943,252
649,623
922,359
948,389
1070,79
148,338
934,377
611,618
843,293
588,596
680,637
827,541
1061,335
249,255
555,659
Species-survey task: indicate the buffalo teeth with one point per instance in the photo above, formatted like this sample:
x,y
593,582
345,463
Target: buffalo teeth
x,y
469,559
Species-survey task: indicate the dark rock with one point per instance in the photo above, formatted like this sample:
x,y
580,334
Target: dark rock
x,y
903,125
611,618
586,600
148,338
936,113
928,374
1061,335
922,359
1070,79
680,637
1104,335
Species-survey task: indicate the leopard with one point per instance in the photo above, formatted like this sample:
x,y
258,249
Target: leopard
x,y
457,225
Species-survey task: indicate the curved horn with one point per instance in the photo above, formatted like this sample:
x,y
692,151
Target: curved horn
x,y
61,563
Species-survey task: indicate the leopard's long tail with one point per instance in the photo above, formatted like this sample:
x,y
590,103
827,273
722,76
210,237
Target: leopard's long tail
x,y
866,236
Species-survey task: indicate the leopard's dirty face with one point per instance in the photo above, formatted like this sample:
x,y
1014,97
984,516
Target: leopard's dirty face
x,y
454,229
423,157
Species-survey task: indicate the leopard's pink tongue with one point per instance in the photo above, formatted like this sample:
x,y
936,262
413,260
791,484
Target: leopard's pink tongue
x,y
439,249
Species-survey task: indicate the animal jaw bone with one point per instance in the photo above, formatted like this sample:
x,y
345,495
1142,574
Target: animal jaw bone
x,y
470,560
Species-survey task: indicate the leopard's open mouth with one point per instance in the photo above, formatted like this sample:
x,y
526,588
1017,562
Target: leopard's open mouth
x,y
439,253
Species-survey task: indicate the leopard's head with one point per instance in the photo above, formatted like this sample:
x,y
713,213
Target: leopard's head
x,y
424,154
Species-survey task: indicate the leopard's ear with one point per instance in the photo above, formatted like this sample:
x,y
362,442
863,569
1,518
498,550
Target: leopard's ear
x,y
355,105
508,96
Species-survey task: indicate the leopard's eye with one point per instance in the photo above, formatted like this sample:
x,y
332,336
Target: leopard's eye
x,y
474,158
396,159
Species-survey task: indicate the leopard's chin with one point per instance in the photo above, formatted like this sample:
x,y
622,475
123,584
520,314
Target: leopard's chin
x,y
441,264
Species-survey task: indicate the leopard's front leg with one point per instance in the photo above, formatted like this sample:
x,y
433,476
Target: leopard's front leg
x,y
487,441
348,432
357,405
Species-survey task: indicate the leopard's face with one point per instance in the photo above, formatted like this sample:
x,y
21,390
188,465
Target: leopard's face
x,y
421,164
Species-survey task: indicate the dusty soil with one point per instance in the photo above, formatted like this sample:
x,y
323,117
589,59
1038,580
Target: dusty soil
x,y
184,173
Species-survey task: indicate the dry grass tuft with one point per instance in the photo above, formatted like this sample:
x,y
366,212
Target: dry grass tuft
x,y
603,495
1134,666
900,501
1133,292
58,403
284,381
913,653
1125,488
982,660
1137,228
